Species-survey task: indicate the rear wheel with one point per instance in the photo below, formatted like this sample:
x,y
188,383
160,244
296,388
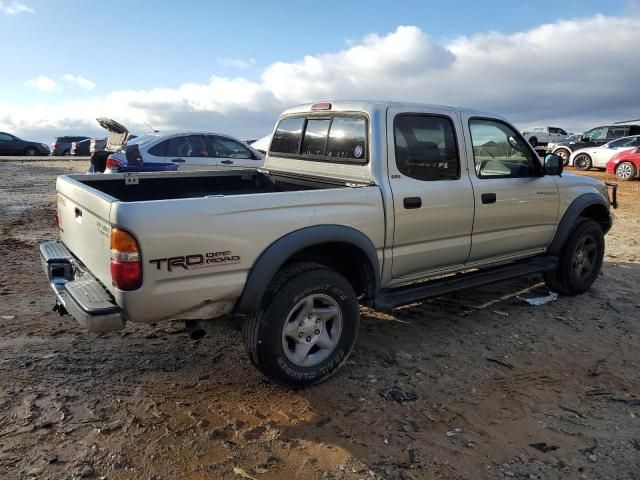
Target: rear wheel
x,y
582,161
564,154
31,151
580,260
306,329
626,171
66,153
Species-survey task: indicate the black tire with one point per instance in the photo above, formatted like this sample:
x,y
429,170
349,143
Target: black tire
x,y
533,141
626,171
582,161
564,154
569,279
264,333
31,151
66,153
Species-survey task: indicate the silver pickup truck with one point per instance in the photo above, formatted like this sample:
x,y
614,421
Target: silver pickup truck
x,y
372,203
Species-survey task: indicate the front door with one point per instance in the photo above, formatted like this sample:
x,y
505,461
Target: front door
x,y
231,153
432,194
516,206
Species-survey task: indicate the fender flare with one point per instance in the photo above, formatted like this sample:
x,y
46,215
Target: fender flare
x,y
276,254
571,215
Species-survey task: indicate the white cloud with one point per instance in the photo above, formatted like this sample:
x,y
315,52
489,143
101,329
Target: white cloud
x,y
556,73
79,81
15,8
42,83
237,62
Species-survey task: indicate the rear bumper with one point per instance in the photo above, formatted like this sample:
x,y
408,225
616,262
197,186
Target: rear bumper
x,y
77,292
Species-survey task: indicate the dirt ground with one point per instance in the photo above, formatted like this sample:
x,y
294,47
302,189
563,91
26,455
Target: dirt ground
x,y
502,389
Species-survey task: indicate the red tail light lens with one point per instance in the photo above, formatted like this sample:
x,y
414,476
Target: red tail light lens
x,y
113,163
58,222
126,266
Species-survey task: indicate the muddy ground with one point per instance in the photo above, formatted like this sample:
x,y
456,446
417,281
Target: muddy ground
x,y
502,389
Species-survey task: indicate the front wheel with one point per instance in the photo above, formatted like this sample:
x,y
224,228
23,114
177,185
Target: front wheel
x,y
564,154
306,329
582,162
580,260
626,171
31,151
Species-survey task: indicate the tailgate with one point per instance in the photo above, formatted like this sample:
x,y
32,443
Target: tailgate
x,y
83,215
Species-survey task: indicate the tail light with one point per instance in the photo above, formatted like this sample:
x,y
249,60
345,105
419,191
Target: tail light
x,y
58,222
321,106
113,162
126,265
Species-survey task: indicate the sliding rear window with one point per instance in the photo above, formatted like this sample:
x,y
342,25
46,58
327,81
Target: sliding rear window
x,y
328,138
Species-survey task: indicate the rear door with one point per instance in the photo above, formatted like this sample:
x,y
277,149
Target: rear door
x,y
516,207
432,194
231,153
189,152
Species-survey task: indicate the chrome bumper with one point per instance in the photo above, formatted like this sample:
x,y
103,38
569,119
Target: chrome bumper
x,y
79,293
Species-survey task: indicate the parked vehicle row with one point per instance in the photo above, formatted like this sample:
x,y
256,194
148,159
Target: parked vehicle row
x,y
592,138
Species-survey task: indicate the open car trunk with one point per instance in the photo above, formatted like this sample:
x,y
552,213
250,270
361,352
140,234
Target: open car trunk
x,y
165,186
117,133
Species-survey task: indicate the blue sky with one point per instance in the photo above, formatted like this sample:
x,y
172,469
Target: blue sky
x,y
134,45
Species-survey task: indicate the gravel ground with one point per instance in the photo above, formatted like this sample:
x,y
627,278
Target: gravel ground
x,y
475,385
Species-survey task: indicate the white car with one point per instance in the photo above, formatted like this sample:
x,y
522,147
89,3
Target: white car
x,y
188,150
597,157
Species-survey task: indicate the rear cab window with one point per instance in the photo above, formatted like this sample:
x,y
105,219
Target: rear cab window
x,y
335,137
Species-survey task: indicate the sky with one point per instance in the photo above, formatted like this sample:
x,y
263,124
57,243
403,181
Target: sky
x,y
232,67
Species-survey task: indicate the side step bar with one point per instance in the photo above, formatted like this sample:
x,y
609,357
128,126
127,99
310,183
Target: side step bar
x,y
390,298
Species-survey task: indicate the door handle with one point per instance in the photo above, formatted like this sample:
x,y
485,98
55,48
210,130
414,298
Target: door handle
x,y
226,162
488,198
177,160
412,202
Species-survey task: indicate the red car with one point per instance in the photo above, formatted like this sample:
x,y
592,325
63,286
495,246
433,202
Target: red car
x,y
625,165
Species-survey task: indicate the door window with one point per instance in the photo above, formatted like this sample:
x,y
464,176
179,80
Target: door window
x,y
223,147
499,152
616,132
186,146
426,148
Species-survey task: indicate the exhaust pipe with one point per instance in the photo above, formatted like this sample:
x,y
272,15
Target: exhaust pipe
x,y
193,328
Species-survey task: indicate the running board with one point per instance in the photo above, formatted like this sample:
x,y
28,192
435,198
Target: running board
x,y
394,297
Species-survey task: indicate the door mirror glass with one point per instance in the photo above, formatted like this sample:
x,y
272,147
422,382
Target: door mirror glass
x,y
553,164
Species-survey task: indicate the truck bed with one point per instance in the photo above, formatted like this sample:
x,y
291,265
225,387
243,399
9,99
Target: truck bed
x,y
168,186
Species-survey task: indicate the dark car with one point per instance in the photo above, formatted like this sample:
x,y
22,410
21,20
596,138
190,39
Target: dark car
x,y
592,138
62,145
12,145
81,148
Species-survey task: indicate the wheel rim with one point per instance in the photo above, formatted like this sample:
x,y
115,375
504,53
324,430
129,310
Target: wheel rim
x,y
563,154
31,152
582,162
312,330
624,171
584,257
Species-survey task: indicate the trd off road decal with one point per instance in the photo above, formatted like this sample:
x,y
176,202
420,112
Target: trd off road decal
x,y
196,260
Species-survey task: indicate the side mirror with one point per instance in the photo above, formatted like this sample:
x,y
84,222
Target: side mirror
x,y
553,164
